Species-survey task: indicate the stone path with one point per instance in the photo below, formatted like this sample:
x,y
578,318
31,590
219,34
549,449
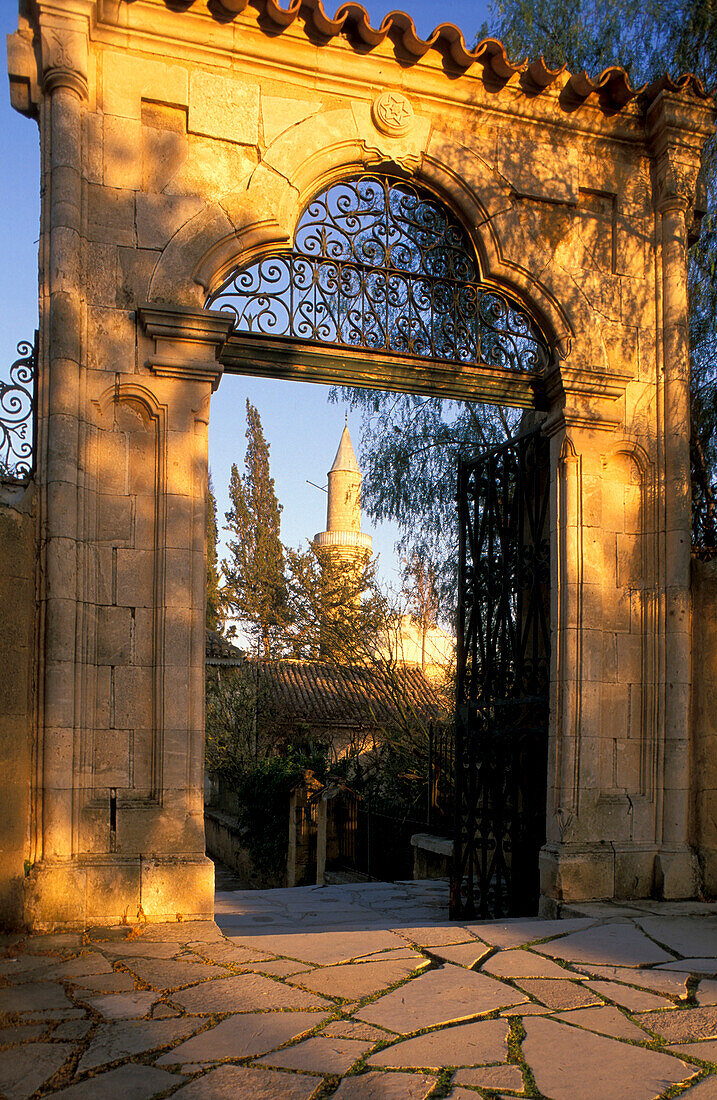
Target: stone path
x,y
366,992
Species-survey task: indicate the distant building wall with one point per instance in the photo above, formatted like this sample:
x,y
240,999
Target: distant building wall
x,y
704,717
17,636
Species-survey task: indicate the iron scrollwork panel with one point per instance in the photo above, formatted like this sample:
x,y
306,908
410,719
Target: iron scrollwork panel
x,y
17,416
503,679
381,265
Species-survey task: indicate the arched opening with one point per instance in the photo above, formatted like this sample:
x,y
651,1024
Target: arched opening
x,y
383,284
381,264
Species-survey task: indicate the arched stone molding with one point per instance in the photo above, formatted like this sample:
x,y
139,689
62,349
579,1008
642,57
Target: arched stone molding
x,y
324,149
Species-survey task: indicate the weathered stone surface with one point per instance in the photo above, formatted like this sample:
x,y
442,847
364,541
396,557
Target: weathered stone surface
x,y
618,944
636,1000
141,948
522,964
462,954
606,1021
278,968
323,948
24,1069
691,966
118,1006
681,1025
683,935
354,1029
385,1086
319,1054
464,1045
74,1030
438,997
706,1050
516,933
436,936
657,981
242,1036
558,994
20,1034
569,1064
225,953
706,993
130,1082
491,1077
124,1039
244,993
222,107
114,982
37,998
356,980
232,1082
174,974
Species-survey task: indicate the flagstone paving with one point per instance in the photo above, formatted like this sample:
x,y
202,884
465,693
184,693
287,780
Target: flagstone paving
x,y
366,992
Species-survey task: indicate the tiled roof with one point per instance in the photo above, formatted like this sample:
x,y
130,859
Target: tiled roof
x,y
220,651
352,21
327,694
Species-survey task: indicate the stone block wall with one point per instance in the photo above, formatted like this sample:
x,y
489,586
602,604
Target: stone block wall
x,y
17,644
704,719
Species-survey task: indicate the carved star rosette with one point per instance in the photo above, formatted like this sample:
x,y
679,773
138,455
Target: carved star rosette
x,y
392,114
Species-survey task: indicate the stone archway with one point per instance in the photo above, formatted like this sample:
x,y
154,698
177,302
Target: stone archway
x,y
178,146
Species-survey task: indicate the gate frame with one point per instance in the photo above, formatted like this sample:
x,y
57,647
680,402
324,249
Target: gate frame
x,y
152,193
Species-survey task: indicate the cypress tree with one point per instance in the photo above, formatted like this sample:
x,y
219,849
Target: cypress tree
x,y
214,617
255,582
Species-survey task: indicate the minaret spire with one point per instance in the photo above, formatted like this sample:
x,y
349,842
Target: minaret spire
x,y
343,541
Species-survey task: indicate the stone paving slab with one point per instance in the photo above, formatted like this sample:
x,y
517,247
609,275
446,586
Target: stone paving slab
x,y
706,1050
354,981
681,1025
24,1069
244,993
558,993
386,1086
320,1054
491,1077
464,1045
439,996
570,1064
605,1020
130,1082
390,985
113,1042
621,942
243,1036
234,1082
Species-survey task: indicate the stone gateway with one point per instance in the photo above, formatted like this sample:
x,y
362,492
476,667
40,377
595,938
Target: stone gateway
x,y
181,145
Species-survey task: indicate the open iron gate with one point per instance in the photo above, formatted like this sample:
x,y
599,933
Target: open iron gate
x,y
503,679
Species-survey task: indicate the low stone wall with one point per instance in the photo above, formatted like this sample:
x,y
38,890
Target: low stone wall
x,y
704,719
17,647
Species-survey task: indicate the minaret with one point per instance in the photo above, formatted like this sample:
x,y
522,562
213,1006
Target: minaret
x,y
343,544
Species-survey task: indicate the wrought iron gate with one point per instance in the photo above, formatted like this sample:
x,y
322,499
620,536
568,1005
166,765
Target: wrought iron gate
x,y
503,679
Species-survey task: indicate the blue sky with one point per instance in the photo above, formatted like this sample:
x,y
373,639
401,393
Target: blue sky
x,y
302,429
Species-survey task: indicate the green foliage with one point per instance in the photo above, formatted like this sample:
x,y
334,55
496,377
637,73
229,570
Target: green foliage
x,y
648,38
214,616
337,614
254,573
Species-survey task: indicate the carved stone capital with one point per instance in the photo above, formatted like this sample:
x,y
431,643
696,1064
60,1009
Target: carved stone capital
x,y
677,130
186,342
64,55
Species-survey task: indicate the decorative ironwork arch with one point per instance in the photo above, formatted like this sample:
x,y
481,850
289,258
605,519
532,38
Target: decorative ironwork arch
x,y
383,265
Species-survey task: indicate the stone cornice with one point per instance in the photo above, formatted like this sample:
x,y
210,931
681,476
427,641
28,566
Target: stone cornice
x,y
180,336
584,398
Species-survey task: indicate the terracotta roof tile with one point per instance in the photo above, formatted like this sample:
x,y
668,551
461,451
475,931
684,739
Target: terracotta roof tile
x,y
323,693
352,20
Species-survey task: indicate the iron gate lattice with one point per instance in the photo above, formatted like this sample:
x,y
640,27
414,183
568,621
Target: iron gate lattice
x,y
503,679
